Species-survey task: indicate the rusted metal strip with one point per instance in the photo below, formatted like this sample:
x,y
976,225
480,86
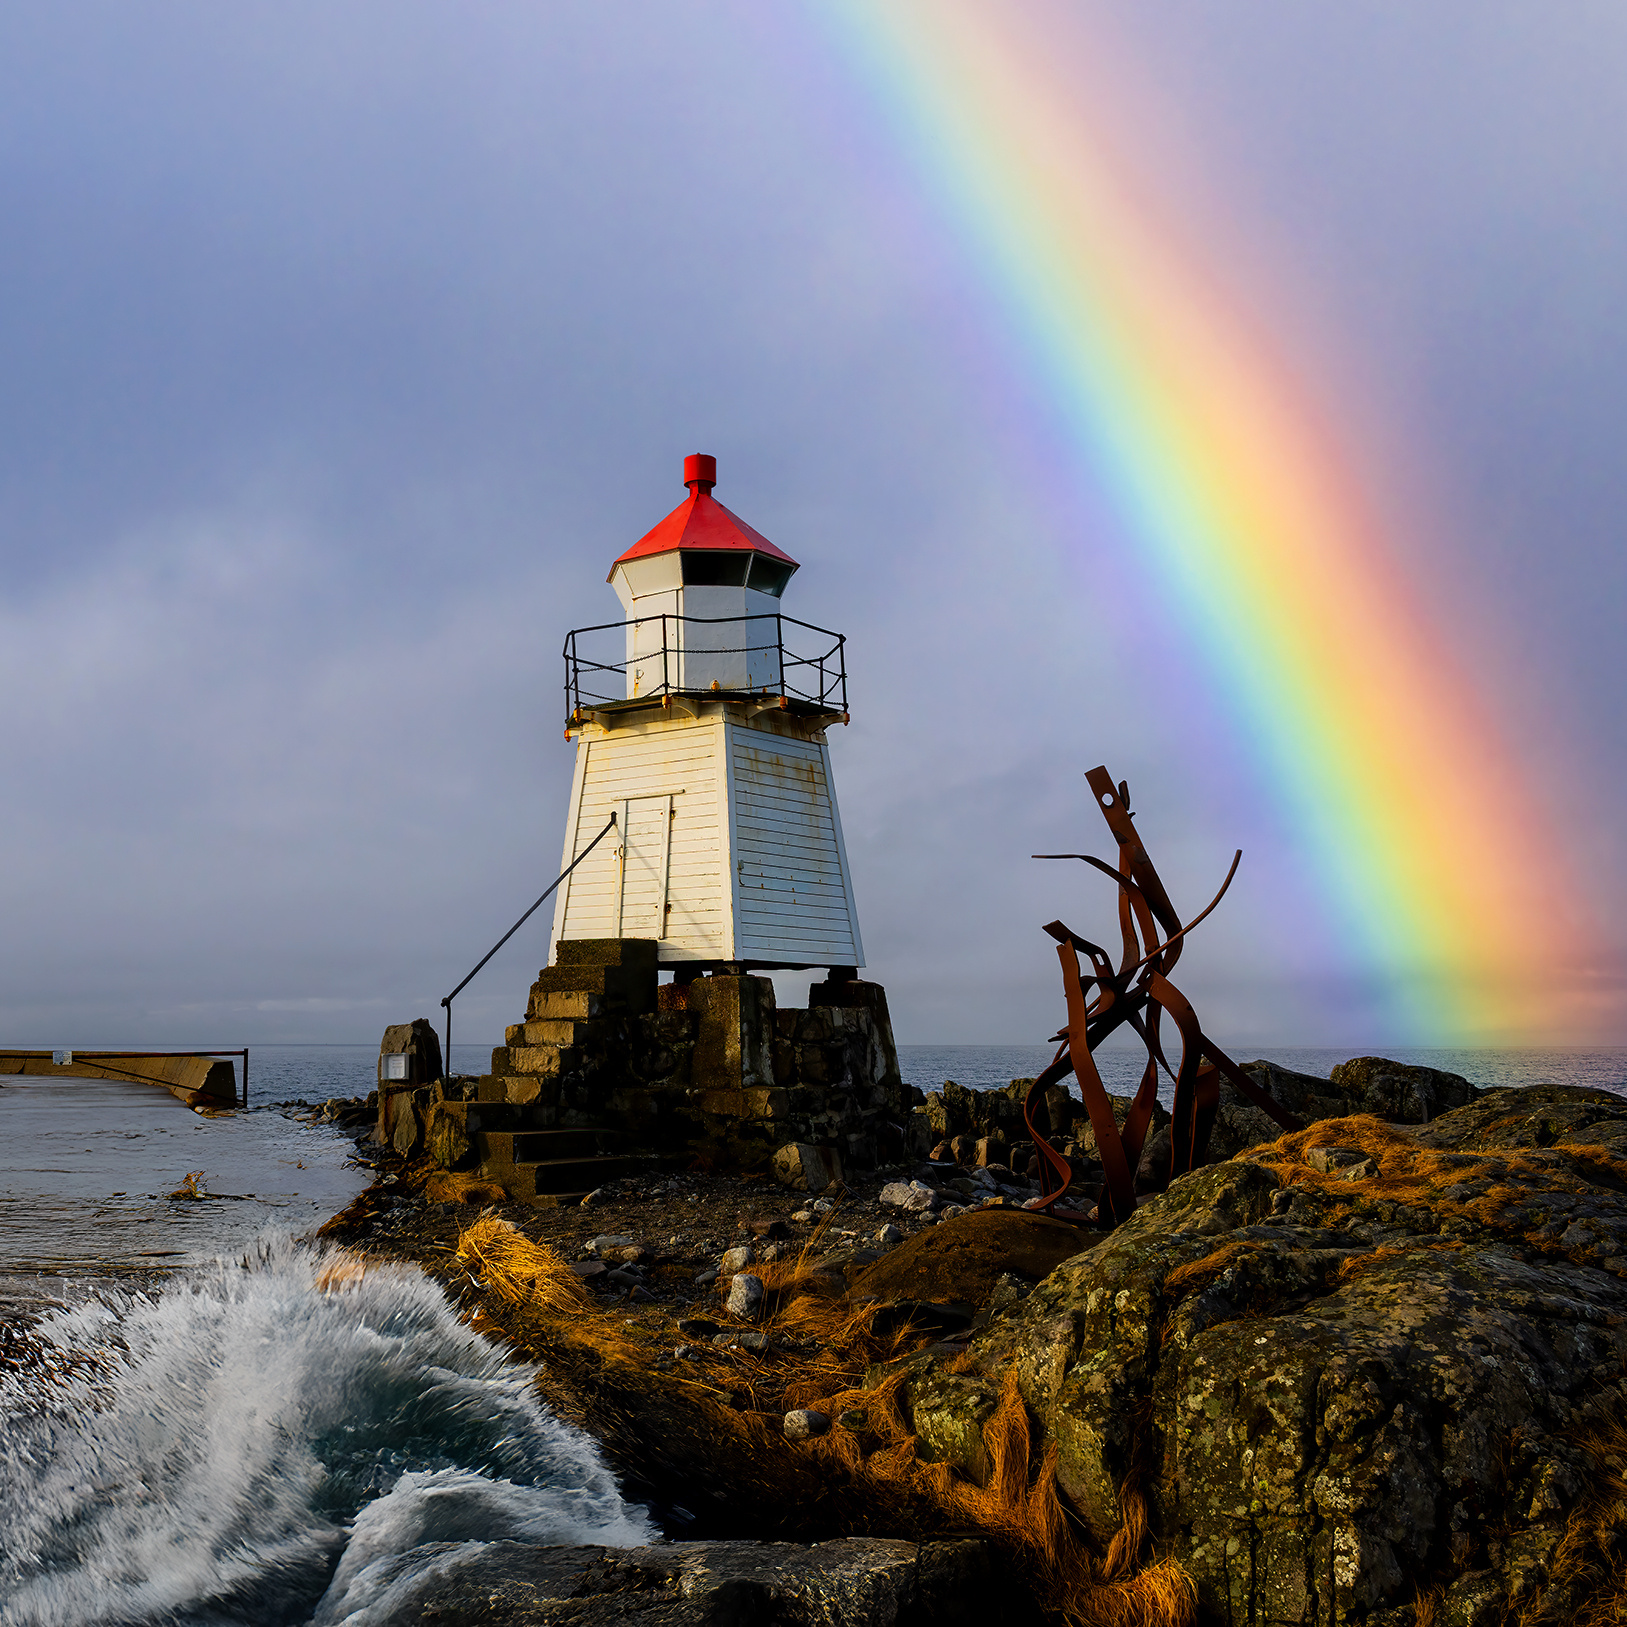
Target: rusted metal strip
x,y
1120,1191
1138,992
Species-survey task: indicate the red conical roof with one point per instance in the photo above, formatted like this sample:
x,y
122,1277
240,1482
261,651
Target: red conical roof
x,y
700,521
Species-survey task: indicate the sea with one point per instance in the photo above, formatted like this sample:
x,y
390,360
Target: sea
x,y
207,1419
984,1067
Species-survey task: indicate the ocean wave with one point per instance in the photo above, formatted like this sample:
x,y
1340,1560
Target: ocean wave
x,y
271,1441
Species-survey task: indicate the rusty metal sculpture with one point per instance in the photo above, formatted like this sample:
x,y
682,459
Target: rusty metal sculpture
x,y
1138,993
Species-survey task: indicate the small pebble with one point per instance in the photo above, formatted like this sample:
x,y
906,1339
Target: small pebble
x,y
802,1423
705,1279
822,1206
803,1216
600,1245
889,1237
735,1259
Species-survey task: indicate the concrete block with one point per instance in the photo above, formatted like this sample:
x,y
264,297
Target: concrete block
x,y
733,1046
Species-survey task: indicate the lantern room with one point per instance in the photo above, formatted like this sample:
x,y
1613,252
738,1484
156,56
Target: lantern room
x,y
702,595
700,725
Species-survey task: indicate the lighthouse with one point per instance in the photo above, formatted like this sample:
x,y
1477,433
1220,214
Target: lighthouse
x,y
700,723
703,838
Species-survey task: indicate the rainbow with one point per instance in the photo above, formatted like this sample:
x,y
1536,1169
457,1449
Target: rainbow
x,y
1444,873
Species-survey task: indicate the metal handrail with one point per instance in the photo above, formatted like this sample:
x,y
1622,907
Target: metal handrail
x,y
446,1063
819,679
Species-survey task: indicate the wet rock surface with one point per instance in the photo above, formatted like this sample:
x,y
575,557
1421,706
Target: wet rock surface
x,y
856,1582
1344,1382
1369,1372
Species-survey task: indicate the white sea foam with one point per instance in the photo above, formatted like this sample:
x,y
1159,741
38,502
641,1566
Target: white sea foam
x,y
221,1451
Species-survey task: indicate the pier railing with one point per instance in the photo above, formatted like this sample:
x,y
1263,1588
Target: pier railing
x,y
651,656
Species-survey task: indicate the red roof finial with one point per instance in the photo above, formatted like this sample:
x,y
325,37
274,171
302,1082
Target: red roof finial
x,y
702,522
700,473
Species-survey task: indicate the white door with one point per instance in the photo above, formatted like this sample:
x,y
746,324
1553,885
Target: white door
x,y
646,847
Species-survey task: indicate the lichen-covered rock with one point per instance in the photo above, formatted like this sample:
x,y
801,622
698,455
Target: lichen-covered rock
x,y
1401,1091
446,1138
1344,1383
855,1582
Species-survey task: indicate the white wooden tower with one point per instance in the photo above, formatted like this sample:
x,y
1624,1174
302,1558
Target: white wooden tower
x,y
700,723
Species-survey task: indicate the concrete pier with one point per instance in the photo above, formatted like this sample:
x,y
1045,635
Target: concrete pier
x,y
199,1081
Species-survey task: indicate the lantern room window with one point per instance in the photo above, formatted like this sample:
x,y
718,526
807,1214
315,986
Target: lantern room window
x,y
711,569
768,575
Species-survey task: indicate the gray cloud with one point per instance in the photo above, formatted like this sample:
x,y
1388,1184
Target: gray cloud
x,y
340,352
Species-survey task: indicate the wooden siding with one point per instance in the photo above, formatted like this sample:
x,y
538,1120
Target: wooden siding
x,y
617,892
793,896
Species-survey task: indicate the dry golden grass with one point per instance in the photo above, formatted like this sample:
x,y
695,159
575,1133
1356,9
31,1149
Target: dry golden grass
x,y
1198,1274
1586,1584
505,1262
448,1186
1432,1178
1360,1265
881,1477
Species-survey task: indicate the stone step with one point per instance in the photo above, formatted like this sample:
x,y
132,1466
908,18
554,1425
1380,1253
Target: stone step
x,y
640,952
543,1060
567,1005
556,1178
519,1090
623,990
558,1031
525,1146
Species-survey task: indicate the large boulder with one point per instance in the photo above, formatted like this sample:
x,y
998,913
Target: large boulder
x,y
962,1259
1357,1368
1401,1091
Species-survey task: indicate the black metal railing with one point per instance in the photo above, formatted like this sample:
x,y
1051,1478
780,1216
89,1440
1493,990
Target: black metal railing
x,y
446,1064
675,655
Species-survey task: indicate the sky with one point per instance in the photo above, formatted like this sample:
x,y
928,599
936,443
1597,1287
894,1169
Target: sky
x,y
343,349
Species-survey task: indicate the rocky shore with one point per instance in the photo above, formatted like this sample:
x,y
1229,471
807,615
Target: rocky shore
x,y
1369,1372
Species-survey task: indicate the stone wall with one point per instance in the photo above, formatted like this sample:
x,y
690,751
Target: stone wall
x,y
611,1066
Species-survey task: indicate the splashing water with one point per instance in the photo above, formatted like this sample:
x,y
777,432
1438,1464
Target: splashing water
x,y
282,1440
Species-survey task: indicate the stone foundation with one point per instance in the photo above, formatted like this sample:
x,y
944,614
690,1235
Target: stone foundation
x,y
611,1068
